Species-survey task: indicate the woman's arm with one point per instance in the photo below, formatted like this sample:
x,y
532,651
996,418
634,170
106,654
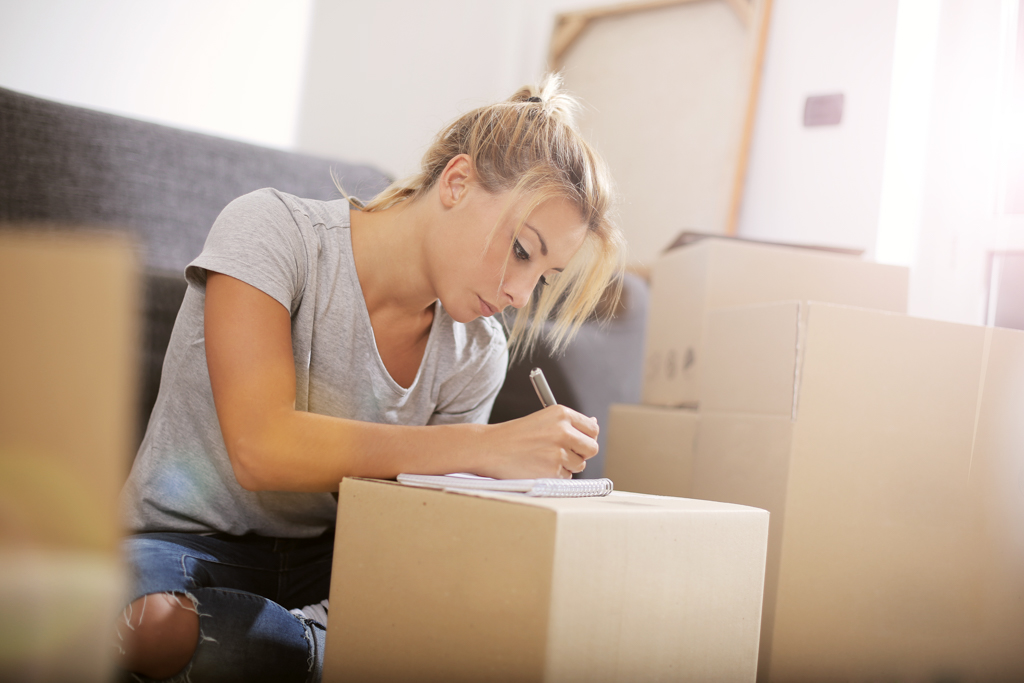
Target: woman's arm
x,y
272,446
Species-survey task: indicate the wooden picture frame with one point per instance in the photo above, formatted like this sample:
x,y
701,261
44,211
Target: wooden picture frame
x,y
670,91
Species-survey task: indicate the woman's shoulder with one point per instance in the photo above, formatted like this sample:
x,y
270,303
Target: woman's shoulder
x,y
270,202
264,199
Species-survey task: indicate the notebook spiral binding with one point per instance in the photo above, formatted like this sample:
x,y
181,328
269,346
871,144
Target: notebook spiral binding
x,y
570,488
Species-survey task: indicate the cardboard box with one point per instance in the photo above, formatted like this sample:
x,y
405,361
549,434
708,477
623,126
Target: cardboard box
x,y
67,387
58,609
436,586
650,449
890,453
688,282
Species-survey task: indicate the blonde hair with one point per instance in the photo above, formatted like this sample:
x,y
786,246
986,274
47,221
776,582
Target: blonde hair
x,y
529,145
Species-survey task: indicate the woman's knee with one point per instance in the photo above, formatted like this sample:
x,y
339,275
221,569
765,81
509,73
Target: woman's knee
x,y
158,634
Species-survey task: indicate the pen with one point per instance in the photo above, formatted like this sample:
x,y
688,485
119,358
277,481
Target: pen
x,y
540,385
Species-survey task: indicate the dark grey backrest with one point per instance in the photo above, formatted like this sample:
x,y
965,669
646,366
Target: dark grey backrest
x,y
72,165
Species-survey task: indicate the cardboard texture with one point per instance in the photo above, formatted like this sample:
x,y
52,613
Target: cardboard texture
x,y
66,388
650,449
889,452
58,610
436,586
688,282
66,418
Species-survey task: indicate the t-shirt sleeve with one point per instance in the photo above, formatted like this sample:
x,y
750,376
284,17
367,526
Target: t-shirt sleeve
x,y
256,240
475,398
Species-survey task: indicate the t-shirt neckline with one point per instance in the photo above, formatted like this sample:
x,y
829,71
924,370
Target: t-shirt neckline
x,y
364,315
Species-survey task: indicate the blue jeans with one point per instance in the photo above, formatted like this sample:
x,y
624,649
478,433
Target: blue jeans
x,y
242,588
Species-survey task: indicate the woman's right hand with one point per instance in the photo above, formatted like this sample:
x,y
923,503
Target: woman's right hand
x,y
553,442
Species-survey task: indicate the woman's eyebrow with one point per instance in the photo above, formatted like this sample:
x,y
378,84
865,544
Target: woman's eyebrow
x,y
543,244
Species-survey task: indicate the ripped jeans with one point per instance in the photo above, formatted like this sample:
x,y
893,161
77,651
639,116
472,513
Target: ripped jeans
x,y
242,588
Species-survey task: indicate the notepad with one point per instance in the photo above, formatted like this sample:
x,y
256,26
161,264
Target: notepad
x,y
545,488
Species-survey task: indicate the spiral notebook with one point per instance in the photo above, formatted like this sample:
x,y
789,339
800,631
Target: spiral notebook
x,y
545,488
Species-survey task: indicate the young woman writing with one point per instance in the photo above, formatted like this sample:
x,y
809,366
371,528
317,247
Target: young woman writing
x,y
320,340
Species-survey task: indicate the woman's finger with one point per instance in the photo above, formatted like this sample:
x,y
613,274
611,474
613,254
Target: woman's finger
x,y
573,462
587,425
581,444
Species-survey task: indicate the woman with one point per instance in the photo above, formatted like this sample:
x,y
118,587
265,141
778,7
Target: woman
x,y
320,340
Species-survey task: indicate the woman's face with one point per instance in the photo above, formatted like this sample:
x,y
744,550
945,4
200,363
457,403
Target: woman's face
x,y
485,273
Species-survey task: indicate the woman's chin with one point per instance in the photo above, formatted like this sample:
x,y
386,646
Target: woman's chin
x,y
467,314
463,315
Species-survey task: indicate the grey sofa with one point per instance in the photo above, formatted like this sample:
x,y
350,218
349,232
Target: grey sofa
x,y
68,166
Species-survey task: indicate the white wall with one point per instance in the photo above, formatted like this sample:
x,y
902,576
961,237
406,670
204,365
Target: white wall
x,y
821,185
906,149
960,218
227,67
385,76
912,174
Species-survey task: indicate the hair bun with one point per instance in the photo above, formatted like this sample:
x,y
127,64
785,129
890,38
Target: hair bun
x,y
555,103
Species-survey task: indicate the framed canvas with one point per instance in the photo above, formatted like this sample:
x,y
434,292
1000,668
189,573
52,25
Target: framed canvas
x,y
669,90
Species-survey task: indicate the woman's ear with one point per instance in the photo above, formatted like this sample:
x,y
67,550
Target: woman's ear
x,y
455,179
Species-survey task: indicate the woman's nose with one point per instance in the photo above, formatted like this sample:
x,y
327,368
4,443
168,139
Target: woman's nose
x,y
518,290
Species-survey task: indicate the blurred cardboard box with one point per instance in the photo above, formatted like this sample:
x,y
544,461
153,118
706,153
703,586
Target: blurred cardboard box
x,y
67,387
67,384
650,449
689,281
58,609
437,586
890,453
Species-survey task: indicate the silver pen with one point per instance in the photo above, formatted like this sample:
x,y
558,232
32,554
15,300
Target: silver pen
x,y
540,385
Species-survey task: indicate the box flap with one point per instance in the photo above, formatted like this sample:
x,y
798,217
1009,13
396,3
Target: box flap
x,y
742,273
751,359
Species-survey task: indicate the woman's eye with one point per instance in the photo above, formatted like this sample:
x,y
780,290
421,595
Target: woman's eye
x,y
543,281
520,253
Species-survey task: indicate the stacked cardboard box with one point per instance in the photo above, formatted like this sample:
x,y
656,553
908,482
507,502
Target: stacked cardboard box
x,y
889,453
885,457
66,410
650,446
440,586
686,283
651,449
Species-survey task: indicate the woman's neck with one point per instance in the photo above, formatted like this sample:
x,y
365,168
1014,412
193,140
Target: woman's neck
x,y
388,249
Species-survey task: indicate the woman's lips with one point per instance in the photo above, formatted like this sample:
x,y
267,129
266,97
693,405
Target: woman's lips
x,y
486,309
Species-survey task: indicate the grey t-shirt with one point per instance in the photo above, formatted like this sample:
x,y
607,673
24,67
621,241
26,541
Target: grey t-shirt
x,y
298,251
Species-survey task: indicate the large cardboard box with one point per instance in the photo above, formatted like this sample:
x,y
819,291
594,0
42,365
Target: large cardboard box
x,y
890,453
688,282
436,586
58,609
67,385
650,449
